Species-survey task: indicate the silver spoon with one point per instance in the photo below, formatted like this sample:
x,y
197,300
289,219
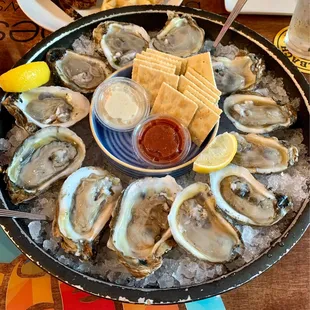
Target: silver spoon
x,y
232,16
23,215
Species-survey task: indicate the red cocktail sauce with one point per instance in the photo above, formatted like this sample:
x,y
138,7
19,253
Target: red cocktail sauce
x,y
162,141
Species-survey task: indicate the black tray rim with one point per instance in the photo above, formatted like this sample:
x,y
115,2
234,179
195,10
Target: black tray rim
x,y
171,295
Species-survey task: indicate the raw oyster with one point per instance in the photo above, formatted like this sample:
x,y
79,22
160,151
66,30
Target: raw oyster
x,y
257,114
120,42
140,233
243,72
78,72
261,154
181,36
199,228
50,154
47,106
246,200
85,204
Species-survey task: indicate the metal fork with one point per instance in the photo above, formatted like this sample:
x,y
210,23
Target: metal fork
x,y
232,16
23,215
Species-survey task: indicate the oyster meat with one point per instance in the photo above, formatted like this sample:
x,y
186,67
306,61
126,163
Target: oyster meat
x,y
242,72
181,36
120,42
140,233
256,114
47,106
78,72
50,154
261,154
85,204
245,199
199,228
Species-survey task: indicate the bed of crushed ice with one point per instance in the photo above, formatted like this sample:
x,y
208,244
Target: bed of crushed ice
x,y
179,268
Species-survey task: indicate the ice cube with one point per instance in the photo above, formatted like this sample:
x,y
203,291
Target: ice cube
x,y
35,231
50,245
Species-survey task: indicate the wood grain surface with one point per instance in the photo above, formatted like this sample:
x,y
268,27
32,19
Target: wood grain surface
x,y
286,285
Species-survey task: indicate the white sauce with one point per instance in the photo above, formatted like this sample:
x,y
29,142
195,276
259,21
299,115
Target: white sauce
x,y
122,105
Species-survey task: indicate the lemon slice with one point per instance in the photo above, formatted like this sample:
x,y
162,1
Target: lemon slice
x,y
217,155
25,77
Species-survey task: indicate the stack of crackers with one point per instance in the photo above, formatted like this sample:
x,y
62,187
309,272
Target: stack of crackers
x,y
183,88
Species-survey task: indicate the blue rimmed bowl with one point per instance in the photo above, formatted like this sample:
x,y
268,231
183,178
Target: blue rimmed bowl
x,y
118,148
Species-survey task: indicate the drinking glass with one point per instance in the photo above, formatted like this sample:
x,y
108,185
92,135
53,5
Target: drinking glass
x,y
298,35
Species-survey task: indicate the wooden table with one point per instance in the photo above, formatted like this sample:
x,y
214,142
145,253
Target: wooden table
x,y
286,285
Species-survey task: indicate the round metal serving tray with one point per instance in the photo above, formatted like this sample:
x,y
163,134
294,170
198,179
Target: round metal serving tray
x,y
153,18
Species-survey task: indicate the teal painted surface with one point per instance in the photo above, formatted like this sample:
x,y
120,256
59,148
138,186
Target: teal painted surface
x,y
8,251
214,303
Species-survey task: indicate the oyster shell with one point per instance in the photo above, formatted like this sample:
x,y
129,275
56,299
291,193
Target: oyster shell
x,y
256,114
85,204
199,228
181,36
47,106
120,42
246,200
242,72
140,233
78,72
50,154
261,154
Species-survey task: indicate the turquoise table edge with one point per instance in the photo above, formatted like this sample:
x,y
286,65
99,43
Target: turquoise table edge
x,y
8,252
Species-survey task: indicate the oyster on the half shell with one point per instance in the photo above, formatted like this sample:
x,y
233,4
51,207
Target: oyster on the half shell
x,y
50,154
85,204
261,154
242,72
181,36
47,106
199,228
256,114
246,200
120,42
140,233
80,73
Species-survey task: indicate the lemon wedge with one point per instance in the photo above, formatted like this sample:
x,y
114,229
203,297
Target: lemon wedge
x,y
217,155
25,77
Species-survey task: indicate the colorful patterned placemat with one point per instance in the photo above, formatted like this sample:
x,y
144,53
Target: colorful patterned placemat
x,y
25,286
302,64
